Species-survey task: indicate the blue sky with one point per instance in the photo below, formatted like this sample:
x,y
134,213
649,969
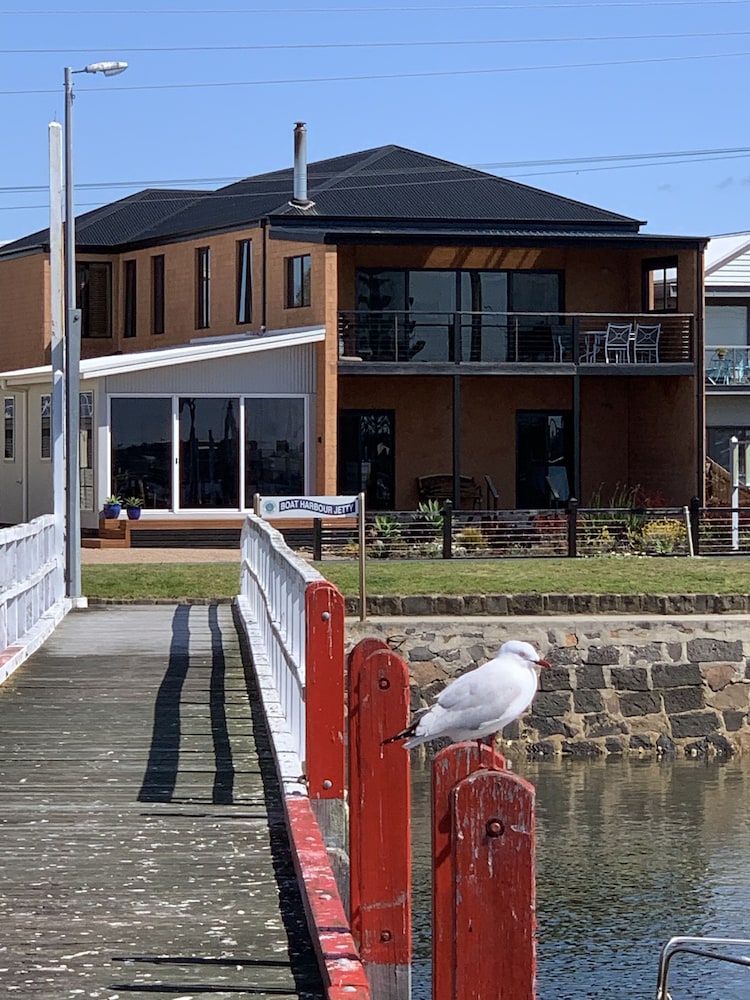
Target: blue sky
x,y
212,94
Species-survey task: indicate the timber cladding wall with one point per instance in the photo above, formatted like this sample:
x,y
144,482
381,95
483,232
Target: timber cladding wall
x,y
656,685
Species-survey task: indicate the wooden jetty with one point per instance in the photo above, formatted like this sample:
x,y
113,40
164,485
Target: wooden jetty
x,y
143,849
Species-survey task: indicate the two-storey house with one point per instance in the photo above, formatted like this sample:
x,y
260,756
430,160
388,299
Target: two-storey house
x,y
353,325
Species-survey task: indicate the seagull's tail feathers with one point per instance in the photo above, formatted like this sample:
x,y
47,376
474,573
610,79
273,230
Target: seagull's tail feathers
x,y
405,734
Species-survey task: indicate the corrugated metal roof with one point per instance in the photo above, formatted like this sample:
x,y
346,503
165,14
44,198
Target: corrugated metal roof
x,y
389,183
206,350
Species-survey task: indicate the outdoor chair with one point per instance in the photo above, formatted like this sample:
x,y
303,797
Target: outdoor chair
x,y
617,342
646,343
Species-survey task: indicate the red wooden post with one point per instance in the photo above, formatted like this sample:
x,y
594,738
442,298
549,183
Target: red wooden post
x,y
493,864
381,795
357,657
449,767
324,691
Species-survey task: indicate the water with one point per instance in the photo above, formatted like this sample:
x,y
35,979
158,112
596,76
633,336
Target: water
x,y
629,853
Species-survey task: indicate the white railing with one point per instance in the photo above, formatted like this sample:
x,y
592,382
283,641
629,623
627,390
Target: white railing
x,y
32,588
271,601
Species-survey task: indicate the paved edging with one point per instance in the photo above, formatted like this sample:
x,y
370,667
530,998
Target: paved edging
x,y
456,605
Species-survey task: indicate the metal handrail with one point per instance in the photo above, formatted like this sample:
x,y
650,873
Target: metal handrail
x,y
692,946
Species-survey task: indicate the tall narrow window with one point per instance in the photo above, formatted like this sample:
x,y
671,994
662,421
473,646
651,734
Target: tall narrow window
x,y
130,298
245,281
86,449
298,281
45,438
10,428
202,288
157,294
94,298
660,284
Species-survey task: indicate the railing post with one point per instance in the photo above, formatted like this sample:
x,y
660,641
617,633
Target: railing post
x,y
572,528
380,796
324,708
317,546
492,847
448,529
450,766
695,516
357,657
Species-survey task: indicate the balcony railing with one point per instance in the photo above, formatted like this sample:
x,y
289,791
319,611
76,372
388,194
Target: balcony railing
x,y
728,366
403,337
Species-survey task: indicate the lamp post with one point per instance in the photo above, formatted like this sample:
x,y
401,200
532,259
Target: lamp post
x,y
72,347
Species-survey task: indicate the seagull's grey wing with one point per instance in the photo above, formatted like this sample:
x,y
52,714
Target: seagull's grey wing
x,y
482,689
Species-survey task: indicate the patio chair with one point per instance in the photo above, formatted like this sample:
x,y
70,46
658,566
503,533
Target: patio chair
x,y
646,343
617,342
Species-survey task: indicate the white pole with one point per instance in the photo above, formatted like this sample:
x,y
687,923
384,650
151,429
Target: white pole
x,y
362,587
734,464
72,369
56,334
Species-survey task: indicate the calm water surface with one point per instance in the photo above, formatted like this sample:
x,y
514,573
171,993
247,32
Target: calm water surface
x,y
629,854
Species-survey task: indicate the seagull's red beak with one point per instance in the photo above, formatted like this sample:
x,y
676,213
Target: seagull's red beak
x,y
545,664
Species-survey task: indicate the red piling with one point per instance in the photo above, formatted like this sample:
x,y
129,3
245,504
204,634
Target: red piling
x,y
450,766
324,691
381,853
493,871
357,657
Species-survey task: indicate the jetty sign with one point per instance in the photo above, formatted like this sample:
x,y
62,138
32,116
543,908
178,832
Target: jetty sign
x,y
277,507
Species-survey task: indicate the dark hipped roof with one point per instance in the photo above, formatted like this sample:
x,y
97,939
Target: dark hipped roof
x,y
390,183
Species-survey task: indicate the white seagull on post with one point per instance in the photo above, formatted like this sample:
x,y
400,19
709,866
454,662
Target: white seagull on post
x,y
482,701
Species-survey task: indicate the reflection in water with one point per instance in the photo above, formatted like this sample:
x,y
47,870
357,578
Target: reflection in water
x,y
629,853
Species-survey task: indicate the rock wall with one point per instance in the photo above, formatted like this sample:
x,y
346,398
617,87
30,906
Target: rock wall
x,y
651,685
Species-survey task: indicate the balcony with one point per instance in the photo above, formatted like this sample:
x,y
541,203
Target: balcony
x,y
513,341
728,366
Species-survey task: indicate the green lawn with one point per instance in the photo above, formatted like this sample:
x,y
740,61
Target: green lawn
x,y
621,575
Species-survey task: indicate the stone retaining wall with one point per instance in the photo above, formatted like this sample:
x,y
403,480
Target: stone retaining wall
x,y
649,685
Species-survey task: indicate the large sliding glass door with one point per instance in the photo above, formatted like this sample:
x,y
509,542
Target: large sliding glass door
x,y
199,452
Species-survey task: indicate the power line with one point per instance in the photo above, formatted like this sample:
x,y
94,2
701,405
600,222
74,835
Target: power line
x,y
602,4
425,74
587,165
578,162
417,43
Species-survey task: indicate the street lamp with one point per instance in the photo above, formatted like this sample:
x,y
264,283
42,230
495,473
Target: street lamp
x,y
72,346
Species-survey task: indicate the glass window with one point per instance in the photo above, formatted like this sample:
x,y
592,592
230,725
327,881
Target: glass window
x,y
141,459
660,285
209,452
274,447
484,321
727,326
130,298
203,288
86,448
94,298
718,442
298,281
45,443
10,428
245,281
157,294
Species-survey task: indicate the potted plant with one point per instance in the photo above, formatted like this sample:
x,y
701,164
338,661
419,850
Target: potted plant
x,y
112,506
133,507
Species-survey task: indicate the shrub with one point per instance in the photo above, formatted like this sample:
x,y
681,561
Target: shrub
x,y
662,536
471,538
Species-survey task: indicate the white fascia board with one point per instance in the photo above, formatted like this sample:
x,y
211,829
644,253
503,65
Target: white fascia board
x,y
115,364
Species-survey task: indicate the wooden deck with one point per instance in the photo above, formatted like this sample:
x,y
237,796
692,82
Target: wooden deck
x,y
143,851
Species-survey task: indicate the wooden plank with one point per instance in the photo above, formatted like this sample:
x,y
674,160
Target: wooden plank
x,y
450,766
493,871
142,842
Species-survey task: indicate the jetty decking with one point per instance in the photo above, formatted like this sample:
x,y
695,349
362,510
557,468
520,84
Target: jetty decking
x,y
143,850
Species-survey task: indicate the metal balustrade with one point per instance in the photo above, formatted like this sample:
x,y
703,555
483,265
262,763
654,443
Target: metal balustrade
x,y
728,366
405,337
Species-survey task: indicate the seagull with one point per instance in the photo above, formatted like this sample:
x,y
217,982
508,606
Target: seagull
x,y
482,701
